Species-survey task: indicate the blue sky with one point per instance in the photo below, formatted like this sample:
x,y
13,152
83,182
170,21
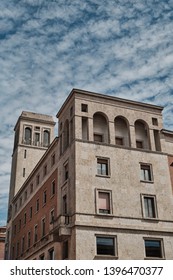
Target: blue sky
x,y
123,48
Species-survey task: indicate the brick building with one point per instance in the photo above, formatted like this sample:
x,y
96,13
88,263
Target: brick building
x,y
103,189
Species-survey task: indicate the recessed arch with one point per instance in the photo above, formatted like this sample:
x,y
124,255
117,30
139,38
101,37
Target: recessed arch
x,y
100,127
142,134
28,135
122,133
46,138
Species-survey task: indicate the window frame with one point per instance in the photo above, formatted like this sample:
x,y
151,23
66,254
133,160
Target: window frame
x,y
109,192
53,188
103,161
143,168
154,206
162,252
114,246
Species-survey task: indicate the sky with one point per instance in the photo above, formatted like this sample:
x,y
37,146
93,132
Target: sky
x,y
122,48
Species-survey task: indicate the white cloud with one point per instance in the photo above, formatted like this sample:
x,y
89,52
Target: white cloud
x,y
48,47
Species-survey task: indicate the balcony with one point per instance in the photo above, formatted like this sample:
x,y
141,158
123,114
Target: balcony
x,y
61,228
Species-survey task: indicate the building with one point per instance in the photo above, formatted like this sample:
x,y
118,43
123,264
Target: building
x,y
2,242
102,190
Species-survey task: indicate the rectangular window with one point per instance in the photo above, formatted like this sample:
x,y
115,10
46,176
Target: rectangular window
x,y
64,204
35,233
41,257
38,179
153,248
65,250
53,188
52,216
53,159
104,202
149,206
51,254
25,195
66,174
29,239
84,128
37,205
155,121
25,219
30,213
84,108
14,230
102,166
43,227
105,245
139,144
17,250
45,170
20,222
36,139
98,137
20,201
146,172
23,245
16,208
119,141
31,187
23,172
24,153
44,197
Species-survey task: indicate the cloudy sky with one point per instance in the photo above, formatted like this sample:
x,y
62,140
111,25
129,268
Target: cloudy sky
x,y
118,47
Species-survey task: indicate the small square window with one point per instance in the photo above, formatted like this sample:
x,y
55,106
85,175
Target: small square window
x,y
98,137
139,144
146,172
149,206
153,248
119,141
41,257
84,108
155,121
105,245
102,166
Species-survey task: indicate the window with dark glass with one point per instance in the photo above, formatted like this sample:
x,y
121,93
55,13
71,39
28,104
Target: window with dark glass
x,y
52,216
53,188
65,250
29,239
153,248
105,245
30,213
51,254
44,197
24,218
35,233
43,226
37,205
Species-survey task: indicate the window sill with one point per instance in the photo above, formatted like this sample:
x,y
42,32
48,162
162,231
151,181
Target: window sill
x,y
103,176
148,182
104,215
156,220
154,258
105,257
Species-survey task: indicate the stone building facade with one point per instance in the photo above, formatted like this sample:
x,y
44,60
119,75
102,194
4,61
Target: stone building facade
x,y
2,242
113,174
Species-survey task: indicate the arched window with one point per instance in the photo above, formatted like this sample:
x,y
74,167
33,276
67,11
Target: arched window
x,y
66,134
46,138
142,135
100,128
122,135
28,135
